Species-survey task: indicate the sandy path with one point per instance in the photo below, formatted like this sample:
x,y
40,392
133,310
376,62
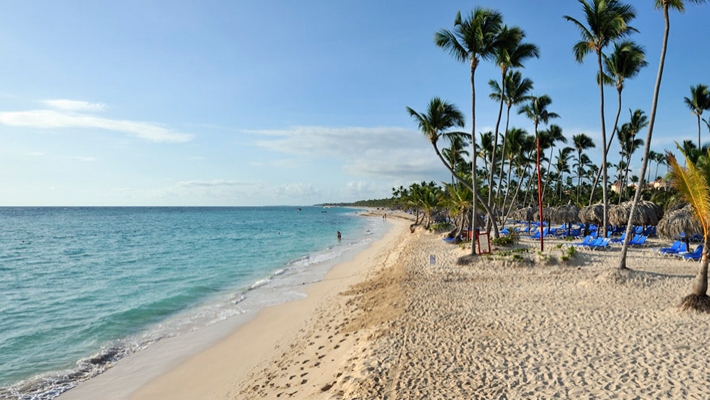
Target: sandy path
x,y
500,331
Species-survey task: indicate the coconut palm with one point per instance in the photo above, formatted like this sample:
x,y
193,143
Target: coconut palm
x,y
519,143
515,91
548,138
698,101
607,21
473,39
581,142
562,166
660,159
509,55
458,199
625,62
627,140
454,154
439,118
693,184
665,5
536,110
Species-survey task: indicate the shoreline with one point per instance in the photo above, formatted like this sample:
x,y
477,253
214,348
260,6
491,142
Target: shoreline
x,y
140,369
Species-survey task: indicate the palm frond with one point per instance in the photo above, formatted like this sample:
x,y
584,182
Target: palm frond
x,y
692,186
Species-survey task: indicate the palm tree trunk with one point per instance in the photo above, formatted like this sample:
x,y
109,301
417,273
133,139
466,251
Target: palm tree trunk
x,y
647,145
608,146
698,130
502,161
539,190
604,166
495,148
473,155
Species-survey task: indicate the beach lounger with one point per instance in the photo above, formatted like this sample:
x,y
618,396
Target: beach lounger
x,y
602,245
675,248
638,240
619,239
593,243
695,255
586,241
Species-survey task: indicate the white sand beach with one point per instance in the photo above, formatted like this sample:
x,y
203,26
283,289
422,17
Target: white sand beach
x,y
390,324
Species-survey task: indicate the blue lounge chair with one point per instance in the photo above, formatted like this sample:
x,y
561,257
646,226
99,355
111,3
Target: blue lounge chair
x,y
602,245
586,241
675,248
639,240
619,239
593,243
695,255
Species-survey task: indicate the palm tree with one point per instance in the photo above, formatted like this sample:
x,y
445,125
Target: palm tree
x,y
507,56
474,38
458,198
607,21
518,143
665,5
660,159
562,165
699,100
454,154
581,142
515,91
536,110
625,62
627,136
693,184
548,138
440,117
652,155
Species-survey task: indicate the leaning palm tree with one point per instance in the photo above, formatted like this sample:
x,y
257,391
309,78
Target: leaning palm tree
x,y
509,55
434,124
473,39
698,101
665,5
454,154
536,110
607,21
581,142
625,62
693,184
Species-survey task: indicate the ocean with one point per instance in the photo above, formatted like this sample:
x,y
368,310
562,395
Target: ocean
x,y
83,287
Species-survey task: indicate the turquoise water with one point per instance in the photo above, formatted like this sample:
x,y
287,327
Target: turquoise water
x,y
82,287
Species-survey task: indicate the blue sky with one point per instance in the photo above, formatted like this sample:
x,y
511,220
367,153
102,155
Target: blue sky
x,y
265,102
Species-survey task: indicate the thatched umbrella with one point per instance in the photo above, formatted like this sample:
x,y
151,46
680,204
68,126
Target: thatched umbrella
x,y
546,214
593,214
646,213
680,221
524,214
567,214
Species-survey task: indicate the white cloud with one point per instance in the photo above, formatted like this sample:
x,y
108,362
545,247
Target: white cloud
x,y
69,116
74,105
376,152
35,154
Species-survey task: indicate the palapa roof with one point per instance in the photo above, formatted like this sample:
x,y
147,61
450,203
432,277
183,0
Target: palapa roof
x,y
524,214
593,214
646,213
546,214
568,214
679,221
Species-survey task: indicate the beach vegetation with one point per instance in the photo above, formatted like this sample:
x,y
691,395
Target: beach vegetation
x,y
693,184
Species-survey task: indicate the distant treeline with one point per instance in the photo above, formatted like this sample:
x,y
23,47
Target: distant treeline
x,y
387,203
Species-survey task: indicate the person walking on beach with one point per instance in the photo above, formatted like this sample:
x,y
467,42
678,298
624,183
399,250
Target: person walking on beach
x,y
338,235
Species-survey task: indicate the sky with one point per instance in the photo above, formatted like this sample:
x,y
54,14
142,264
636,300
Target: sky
x,y
248,103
